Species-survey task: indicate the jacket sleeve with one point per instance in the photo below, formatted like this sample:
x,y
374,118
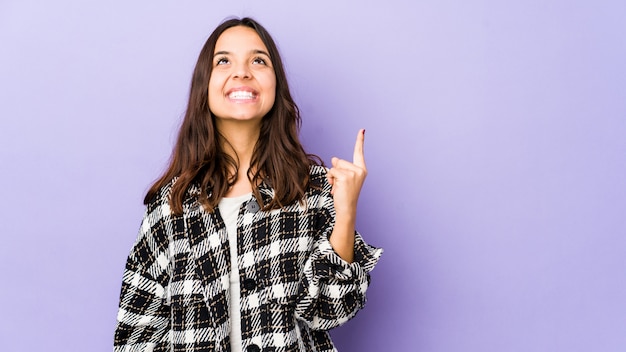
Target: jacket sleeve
x,y
143,317
333,289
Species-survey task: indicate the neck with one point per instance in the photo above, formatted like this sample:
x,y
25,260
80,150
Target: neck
x,y
239,141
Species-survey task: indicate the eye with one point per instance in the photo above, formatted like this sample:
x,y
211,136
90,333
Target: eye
x,y
221,61
259,61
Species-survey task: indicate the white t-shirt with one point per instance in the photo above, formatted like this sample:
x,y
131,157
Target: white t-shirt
x,y
229,209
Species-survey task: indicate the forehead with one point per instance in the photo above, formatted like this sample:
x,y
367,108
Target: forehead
x,y
239,39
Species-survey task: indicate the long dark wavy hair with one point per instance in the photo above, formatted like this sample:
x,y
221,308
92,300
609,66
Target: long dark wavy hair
x,y
199,158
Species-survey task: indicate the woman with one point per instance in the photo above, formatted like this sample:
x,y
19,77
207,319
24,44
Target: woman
x,y
247,244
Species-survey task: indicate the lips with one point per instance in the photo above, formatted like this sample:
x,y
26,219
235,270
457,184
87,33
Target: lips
x,y
242,94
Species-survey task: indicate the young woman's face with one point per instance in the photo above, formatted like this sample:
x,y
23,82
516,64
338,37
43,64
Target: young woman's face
x,y
242,84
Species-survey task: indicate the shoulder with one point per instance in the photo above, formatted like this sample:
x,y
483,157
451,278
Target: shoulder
x,y
317,171
163,196
317,174
318,179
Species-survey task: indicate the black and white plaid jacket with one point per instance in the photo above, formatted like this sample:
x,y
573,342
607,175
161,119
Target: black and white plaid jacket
x,y
294,287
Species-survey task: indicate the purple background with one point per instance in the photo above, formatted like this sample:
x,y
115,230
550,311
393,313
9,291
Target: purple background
x,y
496,145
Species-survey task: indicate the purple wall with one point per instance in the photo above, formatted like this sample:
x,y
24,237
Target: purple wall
x,y
496,144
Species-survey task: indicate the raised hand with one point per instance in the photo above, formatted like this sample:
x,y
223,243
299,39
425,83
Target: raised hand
x,y
347,179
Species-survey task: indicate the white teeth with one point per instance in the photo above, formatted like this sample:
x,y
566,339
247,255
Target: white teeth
x,y
241,95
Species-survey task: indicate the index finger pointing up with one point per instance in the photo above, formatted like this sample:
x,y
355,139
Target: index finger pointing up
x,y
359,159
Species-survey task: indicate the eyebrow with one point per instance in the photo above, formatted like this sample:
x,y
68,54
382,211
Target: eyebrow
x,y
254,51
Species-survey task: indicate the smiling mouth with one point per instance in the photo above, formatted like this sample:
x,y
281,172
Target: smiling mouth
x,y
241,95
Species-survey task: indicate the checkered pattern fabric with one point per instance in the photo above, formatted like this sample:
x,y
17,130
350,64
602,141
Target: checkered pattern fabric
x,y
294,287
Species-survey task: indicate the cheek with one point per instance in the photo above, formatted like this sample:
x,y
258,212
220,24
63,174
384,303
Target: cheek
x,y
271,87
270,97
216,82
213,95
212,87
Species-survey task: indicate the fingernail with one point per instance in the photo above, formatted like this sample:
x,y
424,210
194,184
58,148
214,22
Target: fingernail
x,y
364,132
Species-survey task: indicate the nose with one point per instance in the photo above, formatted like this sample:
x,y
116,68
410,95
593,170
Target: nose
x,y
241,71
